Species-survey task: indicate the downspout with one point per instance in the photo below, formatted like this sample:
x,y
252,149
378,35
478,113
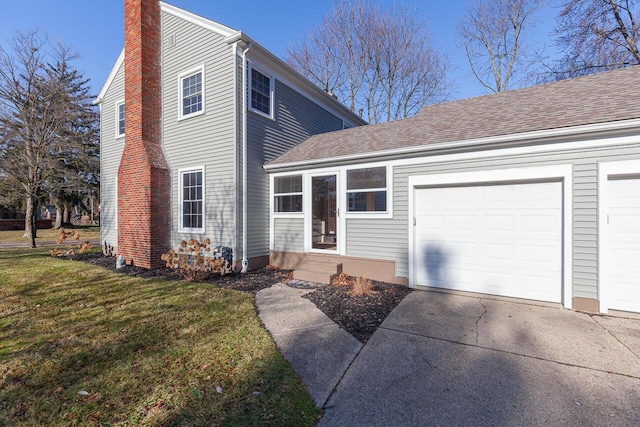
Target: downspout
x,y
245,261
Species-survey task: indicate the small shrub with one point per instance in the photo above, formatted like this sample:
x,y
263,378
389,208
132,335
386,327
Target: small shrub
x,y
362,286
69,250
194,260
342,279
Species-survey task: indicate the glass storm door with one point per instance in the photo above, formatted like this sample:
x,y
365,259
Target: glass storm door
x,y
324,213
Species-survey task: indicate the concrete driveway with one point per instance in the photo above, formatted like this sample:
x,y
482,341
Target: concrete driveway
x,y
448,359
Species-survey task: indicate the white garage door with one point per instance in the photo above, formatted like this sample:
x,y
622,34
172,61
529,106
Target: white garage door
x,y
624,244
495,239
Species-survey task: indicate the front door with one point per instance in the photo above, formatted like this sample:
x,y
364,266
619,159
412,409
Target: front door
x,y
324,213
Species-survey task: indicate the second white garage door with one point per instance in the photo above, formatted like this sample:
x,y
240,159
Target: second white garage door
x,y
497,239
623,226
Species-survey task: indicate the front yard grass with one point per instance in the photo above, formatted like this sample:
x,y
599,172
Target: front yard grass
x,y
81,345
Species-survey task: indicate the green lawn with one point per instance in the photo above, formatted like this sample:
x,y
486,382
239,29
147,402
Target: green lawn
x,y
81,345
87,232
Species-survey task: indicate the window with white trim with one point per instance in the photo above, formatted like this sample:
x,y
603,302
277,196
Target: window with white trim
x,y
120,118
192,93
367,189
192,200
261,92
287,193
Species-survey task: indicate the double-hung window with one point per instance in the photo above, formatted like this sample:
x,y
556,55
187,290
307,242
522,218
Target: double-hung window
x,y
261,90
120,116
192,93
287,193
192,200
367,189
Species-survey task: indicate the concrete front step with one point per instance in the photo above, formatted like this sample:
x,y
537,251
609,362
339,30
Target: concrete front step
x,y
317,270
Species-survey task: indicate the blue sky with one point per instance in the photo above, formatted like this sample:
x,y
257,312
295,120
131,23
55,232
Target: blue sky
x,y
95,28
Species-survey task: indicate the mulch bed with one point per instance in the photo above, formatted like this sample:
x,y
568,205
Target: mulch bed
x,y
358,315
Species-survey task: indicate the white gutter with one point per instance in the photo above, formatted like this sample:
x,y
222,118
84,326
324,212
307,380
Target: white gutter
x,y
470,143
245,261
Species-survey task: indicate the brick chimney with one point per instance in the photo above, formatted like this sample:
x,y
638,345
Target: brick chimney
x,y
143,177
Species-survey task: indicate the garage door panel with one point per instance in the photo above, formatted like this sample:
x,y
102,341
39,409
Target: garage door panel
x,y
541,256
545,223
496,252
492,222
497,239
624,223
623,241
461,222
461,196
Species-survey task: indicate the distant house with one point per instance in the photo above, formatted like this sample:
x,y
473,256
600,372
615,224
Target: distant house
x,y
533,193
7,213
190,112
9,218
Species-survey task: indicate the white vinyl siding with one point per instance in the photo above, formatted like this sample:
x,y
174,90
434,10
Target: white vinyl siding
x,y
203,139
297,118
111,149
289,234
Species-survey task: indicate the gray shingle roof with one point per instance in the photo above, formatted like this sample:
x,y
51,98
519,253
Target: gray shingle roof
x,y
606,97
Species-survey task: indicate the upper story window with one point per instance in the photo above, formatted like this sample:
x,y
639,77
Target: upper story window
x,y
192,93
367,189
261,92
120,115
287,193
192,200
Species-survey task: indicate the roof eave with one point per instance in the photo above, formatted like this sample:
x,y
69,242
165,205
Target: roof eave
x,y
467,145
110,77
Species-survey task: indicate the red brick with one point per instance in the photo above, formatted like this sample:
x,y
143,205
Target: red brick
x,y
144,179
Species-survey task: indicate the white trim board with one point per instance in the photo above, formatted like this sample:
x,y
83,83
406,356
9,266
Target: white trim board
x,y
110,78
605,170
307,204
181,171
560,172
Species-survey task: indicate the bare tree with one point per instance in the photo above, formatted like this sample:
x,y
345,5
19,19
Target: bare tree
x,y
597,35
44,119
375,59
492,32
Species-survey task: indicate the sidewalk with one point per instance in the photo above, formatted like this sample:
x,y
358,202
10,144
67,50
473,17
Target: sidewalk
x,y
317,349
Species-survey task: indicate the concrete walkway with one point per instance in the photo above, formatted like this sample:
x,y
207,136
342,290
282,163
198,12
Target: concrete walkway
x,y
443,359
317,349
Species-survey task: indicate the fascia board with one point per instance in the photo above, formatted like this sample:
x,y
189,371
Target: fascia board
x,y
110,77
